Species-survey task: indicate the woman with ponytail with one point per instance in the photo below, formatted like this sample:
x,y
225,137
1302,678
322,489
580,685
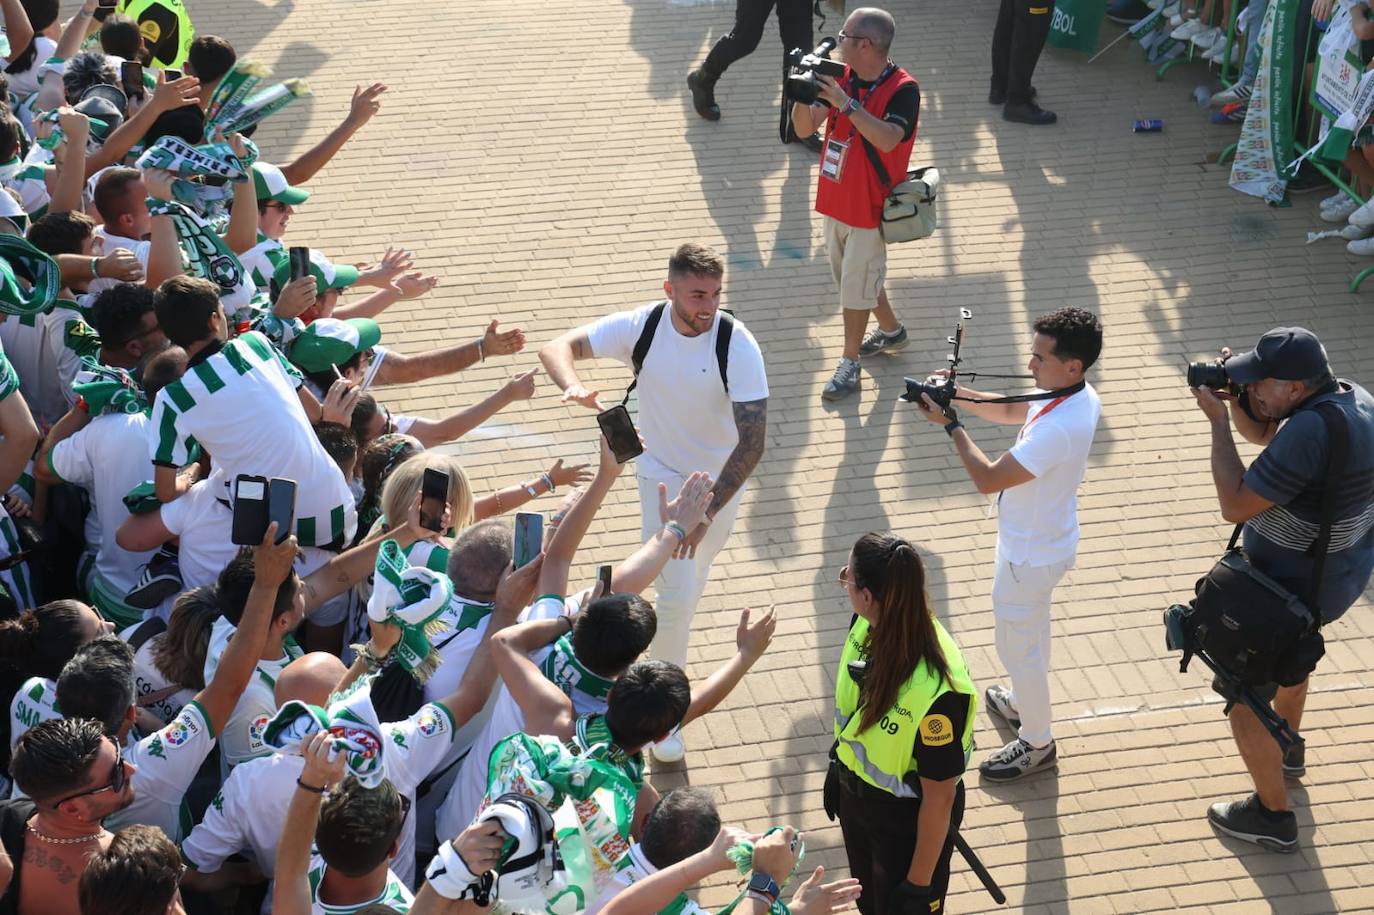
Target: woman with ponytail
x,y
904,707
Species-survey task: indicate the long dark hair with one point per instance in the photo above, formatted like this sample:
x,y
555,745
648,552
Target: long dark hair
x,y
904,635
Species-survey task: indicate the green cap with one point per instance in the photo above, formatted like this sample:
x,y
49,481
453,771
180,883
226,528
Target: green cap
x,y
328,275
271,184
329,341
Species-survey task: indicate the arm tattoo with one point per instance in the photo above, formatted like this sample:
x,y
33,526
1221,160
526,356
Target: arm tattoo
x,y
751,420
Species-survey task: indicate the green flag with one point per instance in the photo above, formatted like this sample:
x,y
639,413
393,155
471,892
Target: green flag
x,y
1076,23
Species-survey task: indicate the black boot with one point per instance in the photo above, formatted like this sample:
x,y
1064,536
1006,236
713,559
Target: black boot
x,y
1027,113
703,87
999,96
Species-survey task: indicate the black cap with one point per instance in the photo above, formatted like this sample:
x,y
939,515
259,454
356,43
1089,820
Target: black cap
x,y
1285,353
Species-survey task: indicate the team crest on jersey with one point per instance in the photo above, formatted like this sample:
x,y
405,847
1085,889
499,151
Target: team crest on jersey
x,y
430,724
256,728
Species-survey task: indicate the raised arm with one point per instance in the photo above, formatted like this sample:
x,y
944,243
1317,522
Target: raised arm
x,y
348,568
75,32
242,231
18,29
547,710
71,173
638,572
751,641
511,497
399,368
563,547
366,103
291,894
558,357
433,432
71,423
176,94
657,891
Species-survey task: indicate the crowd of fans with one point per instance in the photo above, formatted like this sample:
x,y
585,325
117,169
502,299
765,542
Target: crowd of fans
x,y
155,345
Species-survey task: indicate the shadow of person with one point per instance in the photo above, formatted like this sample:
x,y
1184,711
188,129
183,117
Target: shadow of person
x,y
1035,800
671,33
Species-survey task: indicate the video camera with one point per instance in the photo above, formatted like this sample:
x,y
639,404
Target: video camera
x,y
800,84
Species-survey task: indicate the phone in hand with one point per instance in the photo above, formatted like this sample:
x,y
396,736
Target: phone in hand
x,y
620,433
433,498
603,575
300,261
529,537
107,4
170,75
131,77
281,507
250,510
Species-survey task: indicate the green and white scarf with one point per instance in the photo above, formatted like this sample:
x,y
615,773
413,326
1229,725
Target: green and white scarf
x,y
206,254
742,854
29,279
413,598
350,720
239,102
107,389
213,160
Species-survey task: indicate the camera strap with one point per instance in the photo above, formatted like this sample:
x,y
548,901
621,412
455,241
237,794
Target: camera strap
x,y
1063,393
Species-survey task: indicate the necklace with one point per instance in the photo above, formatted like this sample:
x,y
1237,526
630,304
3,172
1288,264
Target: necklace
x,y
77,840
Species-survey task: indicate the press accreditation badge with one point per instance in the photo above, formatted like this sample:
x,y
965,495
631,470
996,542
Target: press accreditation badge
x,y
832,161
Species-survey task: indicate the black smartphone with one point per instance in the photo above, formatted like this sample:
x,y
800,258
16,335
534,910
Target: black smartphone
x,y
107,4
620,432
529,537
300,262
131,77
170,75
281,506
250,510
603,575
433,498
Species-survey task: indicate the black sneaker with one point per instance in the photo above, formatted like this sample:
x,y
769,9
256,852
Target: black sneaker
x,y
879,341
1249,821
1017,760
1307,181
844,382
1295,761
1028,113
161,579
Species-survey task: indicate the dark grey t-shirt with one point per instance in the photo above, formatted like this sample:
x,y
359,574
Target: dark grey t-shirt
x,y
1290,472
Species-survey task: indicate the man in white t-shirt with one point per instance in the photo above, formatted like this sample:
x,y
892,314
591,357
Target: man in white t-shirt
x,y
1037,481
703,406
121,199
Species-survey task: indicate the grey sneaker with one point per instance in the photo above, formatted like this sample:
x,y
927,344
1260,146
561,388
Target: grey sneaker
x,y
844,382
1017,760
1000,704
1249,821
1295,761
879,341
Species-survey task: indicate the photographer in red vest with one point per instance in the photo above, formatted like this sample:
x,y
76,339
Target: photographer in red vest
x,y
869,116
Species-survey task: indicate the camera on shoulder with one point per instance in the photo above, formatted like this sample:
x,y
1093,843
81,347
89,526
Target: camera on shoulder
x,y
802,68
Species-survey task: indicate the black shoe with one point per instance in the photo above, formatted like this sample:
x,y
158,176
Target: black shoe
x,y
703,87
1307,181
999,96
1249,821
160,580
1027,113
1127,12
1295,761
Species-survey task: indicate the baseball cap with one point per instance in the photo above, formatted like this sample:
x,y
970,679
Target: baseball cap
x,y
328,275
329,341
1284,353
271,184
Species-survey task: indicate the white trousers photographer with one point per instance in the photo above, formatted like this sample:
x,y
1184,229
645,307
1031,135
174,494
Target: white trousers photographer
x,y
1022,596
682,581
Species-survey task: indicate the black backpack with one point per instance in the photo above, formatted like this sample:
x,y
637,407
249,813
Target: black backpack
x,y
646,339
1251,626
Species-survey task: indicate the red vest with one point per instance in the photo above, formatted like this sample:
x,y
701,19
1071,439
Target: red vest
x,y
856,197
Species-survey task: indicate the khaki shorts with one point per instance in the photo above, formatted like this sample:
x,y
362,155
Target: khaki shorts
x,y
858,259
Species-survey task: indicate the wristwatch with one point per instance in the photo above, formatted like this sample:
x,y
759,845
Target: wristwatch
x,y
764,885
850,106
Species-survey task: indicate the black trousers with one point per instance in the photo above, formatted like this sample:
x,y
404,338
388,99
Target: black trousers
x,y
880,838
794,22
1018,39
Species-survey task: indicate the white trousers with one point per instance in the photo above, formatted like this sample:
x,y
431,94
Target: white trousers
x,y
1021,599
682,581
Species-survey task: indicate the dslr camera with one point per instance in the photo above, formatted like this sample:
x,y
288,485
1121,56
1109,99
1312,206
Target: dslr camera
x,y
941,388
1212,375
800,84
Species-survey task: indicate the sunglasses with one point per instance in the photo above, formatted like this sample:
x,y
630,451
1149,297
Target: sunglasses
x,y
843,37
119,777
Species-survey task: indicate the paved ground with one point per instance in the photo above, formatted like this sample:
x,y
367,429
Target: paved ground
x,y
541,158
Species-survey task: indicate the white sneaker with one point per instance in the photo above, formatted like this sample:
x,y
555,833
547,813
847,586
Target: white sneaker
x,y
1187,30
1338,197
1363,247
1364,216
1170,10
1208,38
1355,233
670,749
1340,212
1176,17
1215,52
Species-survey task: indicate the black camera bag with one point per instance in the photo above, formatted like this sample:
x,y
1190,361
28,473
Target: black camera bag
x,y
1248,624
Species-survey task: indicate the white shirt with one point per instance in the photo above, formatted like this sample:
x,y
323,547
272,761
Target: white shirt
x,y
112,243
167,762
241,737
108,458
202,523
1038,520
34,703
148,679
25,84
250,810
634,868
685,415
45,350
395,895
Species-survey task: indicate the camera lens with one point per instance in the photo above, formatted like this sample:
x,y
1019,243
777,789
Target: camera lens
x,y
1208,374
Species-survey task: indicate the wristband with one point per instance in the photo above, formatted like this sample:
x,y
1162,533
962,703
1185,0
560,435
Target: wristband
x,y
850,106
449,876
95,267
481,356
548,481
951,426
311,788
529,488
673,527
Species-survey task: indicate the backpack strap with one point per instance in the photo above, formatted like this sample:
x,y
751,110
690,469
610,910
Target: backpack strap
x,y
723,334
646,339
1338,444
148,629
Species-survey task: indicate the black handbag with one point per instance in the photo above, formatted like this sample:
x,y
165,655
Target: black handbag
x,y
1251,626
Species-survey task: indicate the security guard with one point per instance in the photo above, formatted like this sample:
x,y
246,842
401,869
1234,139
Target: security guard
x,y
1017,40
904,711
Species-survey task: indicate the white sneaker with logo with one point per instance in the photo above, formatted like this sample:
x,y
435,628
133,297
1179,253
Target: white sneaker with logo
x,y
1017,760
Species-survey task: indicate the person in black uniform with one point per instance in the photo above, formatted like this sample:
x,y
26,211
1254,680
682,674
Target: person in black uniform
x,y
794,26
1018,39
904,711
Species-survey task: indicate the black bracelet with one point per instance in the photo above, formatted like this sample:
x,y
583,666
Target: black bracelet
x,y
950,427
311,788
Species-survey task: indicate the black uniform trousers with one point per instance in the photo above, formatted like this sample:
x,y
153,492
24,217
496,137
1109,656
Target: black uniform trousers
x,y
1018,39
880,837
794,23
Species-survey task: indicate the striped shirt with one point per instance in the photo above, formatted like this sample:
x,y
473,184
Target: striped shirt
x,y
240,405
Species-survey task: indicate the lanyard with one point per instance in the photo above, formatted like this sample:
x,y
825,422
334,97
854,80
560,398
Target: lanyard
x,y
1048,407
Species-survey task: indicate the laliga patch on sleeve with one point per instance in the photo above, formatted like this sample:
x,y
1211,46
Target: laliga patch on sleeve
x,y
936,730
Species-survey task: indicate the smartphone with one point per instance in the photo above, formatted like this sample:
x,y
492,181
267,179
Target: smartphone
x,y
300,262
131,77
603,575
281,506
170,75
620,432
529,537
433,498
250,510
107,4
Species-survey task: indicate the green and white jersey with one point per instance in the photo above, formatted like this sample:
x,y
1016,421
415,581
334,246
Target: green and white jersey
x,y
240,404
31,182
46,350
633,868
561,666
395,896
262,260
166,763
241,736
34,703
16,578
592,738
